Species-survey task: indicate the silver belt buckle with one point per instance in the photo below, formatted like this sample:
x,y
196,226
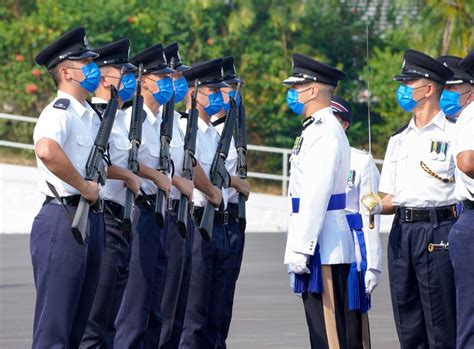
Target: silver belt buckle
x,y
408,215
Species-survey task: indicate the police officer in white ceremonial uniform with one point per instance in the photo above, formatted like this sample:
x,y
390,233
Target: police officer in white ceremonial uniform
x,y
100,330
319,248
418,178
461,241
66,273
364,275
139,320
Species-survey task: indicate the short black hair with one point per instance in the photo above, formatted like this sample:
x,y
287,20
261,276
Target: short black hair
x,y
54,73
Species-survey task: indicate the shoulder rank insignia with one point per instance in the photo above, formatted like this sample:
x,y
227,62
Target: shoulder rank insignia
x,y
308,121
438,150
62,103
351,178
318,122
297,145
183,115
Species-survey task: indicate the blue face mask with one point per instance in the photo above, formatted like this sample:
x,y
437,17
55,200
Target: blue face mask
x,y
292,100
449,102
405,97
231,95
180,89
165,91
216,103
128,89
92,76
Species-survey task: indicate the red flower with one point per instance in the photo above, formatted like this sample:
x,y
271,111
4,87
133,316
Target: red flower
x,y
31,88
19,58
131,19
36,73
210,41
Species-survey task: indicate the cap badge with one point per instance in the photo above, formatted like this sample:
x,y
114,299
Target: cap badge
x,y
86,42
403,64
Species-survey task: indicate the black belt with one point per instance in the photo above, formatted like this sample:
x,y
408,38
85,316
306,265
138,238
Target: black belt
x,y
418,214
147,200
233,210
115,209
72,200
468,205
221,218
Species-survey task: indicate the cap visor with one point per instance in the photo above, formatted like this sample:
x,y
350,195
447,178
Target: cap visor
x,y
455,82
293,80
406,77
86,54
233,81
217,85
182,67
166,70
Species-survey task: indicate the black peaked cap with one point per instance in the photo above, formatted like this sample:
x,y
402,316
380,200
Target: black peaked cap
x,y
417,65
306,69
71,45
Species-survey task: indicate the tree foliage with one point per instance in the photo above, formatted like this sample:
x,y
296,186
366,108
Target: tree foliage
x,y
261,35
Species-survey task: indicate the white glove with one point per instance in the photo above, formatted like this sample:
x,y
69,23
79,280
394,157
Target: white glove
x,y
372,279
371,204
299,264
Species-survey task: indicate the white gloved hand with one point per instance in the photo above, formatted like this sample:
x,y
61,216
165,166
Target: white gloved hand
x,y
299,264
371,204
372,279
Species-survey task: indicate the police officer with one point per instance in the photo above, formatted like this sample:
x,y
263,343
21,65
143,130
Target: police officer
x,y
100,329
142,296
457,91
173,303
364,275
237,187
319,247
461,242
210,261
418,178
66,273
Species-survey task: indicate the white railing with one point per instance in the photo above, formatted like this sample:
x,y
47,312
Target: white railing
x,y
283,178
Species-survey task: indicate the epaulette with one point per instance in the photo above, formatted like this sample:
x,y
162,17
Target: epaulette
x,y
62,103
451,118
183,115
400,130
218,121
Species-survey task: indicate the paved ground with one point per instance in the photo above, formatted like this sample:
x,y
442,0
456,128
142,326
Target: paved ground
x,y
266,315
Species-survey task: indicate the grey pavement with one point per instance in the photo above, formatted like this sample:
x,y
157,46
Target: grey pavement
x,y
266,313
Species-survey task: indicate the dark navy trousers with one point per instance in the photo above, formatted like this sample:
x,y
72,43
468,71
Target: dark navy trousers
x,y
100,330
66,275
174,281
236,251
178,323
422,285
139,320
461,250
210,265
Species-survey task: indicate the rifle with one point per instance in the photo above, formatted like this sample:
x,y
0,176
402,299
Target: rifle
x,y
135,137
165,163
218,173
95,165
189,160
241,145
